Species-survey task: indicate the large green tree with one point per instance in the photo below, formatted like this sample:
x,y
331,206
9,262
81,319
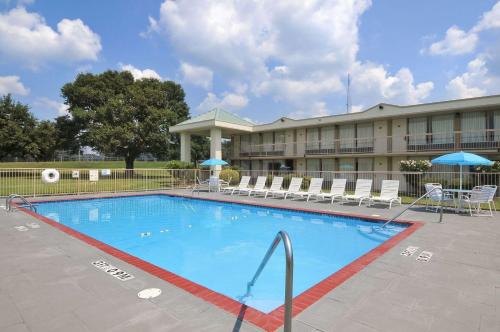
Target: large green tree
x,y
126,117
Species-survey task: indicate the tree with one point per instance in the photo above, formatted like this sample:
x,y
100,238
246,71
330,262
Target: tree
x,y
68,134
125,117
200,148
17,125
45,138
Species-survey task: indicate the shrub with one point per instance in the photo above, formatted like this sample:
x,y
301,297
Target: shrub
x,y
178,164
495,168
230,174
414,165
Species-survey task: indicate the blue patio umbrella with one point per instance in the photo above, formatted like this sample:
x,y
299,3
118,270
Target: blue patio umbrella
x,y
462,159
214,162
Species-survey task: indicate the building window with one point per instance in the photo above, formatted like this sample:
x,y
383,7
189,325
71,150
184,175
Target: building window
x,y
312,137
313,165
417,130
347,165
327,138
496,125
347,137
365,164
442,129
245,165
365,135
279,141
245,144
267,139
473,126
327,165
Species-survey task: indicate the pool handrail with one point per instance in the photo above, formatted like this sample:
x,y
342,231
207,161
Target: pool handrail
x,y
281,236
418,199
8,202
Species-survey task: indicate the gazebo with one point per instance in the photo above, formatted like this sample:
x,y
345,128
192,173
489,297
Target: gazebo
x,y
216,124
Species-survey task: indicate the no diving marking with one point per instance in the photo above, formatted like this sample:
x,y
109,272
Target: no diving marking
x,y
112,270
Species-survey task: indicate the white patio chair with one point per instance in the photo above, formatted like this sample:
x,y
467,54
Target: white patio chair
x,y
200,185
388,193
493,191
294,187
275,186
479,195
436,195
245,180
314,189
336,191
361,193
259,185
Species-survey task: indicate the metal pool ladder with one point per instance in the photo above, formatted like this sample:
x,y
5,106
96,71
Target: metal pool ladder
x,y
8,202
418,199
281,236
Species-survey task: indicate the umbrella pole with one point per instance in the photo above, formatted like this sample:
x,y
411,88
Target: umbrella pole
x,y
460,177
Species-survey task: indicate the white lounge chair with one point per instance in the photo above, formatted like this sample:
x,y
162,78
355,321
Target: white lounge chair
x,y
294,187
388,193
479,195
245,180
436,195
259,185
314,189
336,191
361,193
275,186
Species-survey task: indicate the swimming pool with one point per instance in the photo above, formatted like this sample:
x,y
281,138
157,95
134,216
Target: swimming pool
x,y
219,245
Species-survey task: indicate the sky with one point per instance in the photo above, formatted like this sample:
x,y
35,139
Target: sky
x,y
261,60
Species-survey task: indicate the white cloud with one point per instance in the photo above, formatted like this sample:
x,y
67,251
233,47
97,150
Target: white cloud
x,y
12,85
489,20
25,37
475,82
138,73
315,110
456,42
228,101
372,84
46,104
196,75
296,52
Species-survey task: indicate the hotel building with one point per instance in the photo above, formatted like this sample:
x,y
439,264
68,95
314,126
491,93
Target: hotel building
x,y
376,139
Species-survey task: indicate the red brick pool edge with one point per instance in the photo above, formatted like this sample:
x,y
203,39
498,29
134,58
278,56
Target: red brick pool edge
x,y
272,320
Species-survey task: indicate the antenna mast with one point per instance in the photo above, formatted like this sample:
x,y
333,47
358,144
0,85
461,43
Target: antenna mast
x,y
348,97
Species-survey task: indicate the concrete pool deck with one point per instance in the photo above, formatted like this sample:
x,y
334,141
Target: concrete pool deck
x,y
48,284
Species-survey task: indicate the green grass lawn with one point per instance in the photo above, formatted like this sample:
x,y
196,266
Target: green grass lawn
x,y
82,164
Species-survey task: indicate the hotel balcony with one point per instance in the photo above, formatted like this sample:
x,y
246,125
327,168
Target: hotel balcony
x,y
265,150
430,142
340,146
477,140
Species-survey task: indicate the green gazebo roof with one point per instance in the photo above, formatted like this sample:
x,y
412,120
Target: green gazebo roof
x,y
218,114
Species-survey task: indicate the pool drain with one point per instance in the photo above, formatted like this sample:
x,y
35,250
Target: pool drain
x,y
149,293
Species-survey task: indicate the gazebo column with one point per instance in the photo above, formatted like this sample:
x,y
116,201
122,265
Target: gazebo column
x,y
216,146
186,147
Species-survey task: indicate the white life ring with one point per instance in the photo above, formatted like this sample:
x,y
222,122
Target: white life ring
x,y
50,175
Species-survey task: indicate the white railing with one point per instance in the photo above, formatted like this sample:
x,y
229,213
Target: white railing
x,y
28,181
260,150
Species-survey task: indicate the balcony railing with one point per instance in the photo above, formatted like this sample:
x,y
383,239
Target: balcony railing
x,y
263,150
339,146
458,140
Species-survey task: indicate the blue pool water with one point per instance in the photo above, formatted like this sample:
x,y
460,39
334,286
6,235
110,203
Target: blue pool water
x,y
220,245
